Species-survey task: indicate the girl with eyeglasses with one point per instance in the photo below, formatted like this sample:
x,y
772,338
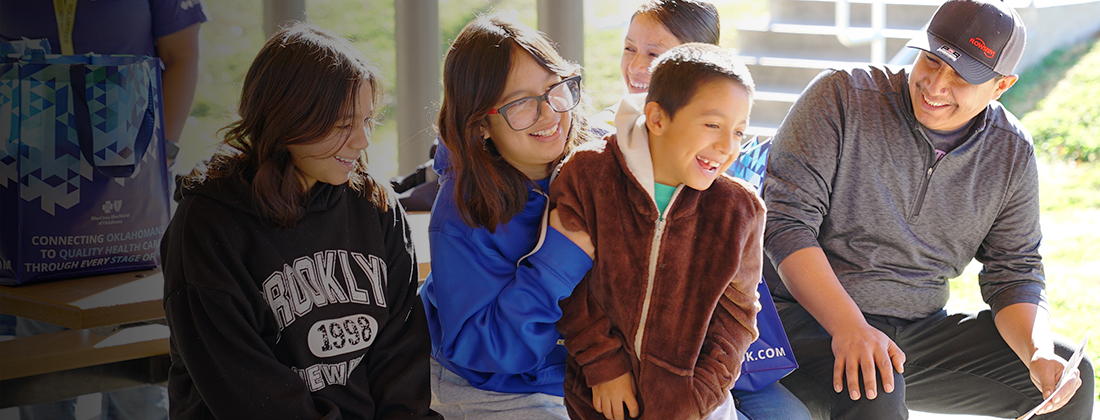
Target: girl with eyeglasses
x,y
510,113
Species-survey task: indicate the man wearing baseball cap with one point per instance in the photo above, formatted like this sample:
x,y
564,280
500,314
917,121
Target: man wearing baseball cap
x,y
883,184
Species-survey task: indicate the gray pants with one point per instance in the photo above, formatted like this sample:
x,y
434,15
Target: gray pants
x,y
955,364
455,399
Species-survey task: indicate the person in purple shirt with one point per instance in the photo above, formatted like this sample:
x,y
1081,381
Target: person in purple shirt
x,y
168,29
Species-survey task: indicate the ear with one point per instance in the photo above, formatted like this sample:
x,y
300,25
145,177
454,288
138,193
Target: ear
x,y
656,119
483,128
1004,84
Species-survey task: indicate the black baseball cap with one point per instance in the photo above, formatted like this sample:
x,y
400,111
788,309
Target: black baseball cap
x,y
978,38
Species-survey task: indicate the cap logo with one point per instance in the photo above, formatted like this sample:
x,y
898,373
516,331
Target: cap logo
x,y
981,46
950,52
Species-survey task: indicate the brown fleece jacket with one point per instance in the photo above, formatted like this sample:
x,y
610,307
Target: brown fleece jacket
x,y
677,314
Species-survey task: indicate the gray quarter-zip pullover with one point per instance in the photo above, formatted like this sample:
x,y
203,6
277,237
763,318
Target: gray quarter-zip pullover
x,y
852,172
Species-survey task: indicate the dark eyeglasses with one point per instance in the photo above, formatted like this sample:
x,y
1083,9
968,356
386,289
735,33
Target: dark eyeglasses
x,y
522,113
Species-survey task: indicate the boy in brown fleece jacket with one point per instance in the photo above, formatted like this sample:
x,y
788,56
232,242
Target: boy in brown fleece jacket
x,y
662,321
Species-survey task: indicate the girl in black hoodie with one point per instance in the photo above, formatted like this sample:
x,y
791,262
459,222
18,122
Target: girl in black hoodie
x,y
290,277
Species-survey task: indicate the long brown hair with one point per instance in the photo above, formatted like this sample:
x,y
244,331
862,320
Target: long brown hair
x,y
298,87
488,190
687,20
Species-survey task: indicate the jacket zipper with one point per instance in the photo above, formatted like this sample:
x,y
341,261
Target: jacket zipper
x,y
542,235
542,227
658,233
915,213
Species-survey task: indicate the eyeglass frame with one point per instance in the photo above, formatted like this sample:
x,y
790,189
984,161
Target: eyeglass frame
x,y
545,97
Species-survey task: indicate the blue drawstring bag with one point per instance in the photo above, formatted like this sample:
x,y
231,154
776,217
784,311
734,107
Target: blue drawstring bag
x,y
770,357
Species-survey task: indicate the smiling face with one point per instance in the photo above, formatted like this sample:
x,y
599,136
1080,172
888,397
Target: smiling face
x,y
531,150
332,159
645,40
942,100
702,140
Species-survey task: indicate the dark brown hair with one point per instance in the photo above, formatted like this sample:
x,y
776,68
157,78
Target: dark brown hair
x,y
679,72
687,20
300,85
488,190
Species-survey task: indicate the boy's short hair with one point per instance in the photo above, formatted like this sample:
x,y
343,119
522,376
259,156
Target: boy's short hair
x,y
678,72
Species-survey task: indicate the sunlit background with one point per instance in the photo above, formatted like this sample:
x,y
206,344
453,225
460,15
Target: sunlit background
x,y
234,35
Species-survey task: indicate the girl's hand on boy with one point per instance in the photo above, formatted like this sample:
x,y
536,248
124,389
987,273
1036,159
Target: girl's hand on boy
x,y
608,398
579,237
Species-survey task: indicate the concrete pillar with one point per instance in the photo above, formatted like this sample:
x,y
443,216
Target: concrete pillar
x,y
276,12
563,21
419,75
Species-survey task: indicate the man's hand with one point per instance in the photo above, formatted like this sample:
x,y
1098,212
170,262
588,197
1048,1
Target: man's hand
x,y
1046,371
608,398
579,237
864,348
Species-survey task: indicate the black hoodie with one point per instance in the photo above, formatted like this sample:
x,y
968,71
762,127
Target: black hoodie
x,y
318,321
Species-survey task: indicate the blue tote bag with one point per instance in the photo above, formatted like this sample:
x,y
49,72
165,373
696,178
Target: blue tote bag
x,y
83,178
770,357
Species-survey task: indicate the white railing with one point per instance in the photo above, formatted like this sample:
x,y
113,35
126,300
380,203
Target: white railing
x,y
876,38
906,56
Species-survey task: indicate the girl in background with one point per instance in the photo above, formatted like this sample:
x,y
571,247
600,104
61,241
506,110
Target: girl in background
x,y
655,27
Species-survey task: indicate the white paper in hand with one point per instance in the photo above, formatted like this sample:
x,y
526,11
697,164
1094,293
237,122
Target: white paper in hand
x,y
1073,362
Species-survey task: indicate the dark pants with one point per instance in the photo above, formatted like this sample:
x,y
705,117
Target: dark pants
x,y
955,364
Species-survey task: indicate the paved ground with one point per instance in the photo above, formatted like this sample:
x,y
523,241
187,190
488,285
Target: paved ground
x,y
916,415
88,410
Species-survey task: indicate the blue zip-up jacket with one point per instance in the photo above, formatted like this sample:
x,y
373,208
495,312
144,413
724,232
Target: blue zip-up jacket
x,y
492,307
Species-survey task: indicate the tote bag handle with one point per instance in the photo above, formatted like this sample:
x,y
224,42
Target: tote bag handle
x,y
84,126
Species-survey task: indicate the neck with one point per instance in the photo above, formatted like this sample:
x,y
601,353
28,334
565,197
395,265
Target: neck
x,y
536,173
660,175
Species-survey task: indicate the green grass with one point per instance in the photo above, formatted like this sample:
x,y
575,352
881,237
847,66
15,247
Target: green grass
x,y
1059,99
1037,82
